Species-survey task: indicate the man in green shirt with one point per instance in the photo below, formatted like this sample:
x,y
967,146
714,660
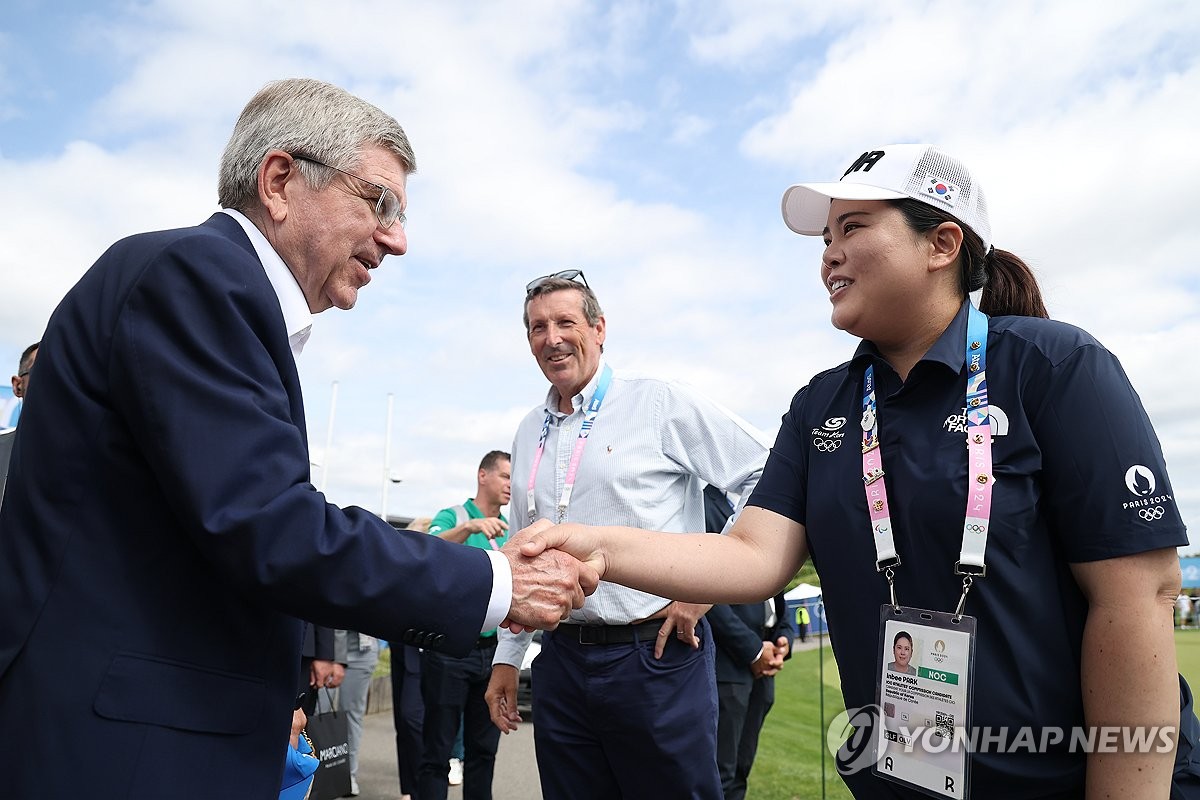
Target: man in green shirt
x,y
453,688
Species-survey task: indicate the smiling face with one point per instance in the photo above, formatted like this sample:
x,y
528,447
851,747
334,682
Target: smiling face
x,y
902,652
330,238
566,347
874,265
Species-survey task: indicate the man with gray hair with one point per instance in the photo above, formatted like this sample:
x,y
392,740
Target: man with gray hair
x,y
625,690
161,536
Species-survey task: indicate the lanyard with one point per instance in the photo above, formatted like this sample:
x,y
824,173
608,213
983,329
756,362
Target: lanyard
x,y
971,562
589,419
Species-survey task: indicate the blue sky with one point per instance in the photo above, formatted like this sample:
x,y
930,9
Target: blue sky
x,y
646,143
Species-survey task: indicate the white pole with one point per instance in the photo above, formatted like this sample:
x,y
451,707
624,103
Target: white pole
x,y
387,459
328,457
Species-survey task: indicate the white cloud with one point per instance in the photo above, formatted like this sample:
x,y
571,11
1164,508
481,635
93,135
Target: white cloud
x,y
736,31
647,146
689,128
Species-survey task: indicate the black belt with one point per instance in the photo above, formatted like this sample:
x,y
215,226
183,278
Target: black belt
x,y
485,641
611,634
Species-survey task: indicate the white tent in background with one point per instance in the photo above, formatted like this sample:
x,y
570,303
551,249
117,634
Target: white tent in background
x,y
802,591
809,596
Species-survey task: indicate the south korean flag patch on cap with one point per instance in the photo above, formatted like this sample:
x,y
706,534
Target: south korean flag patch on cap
x,y
942,191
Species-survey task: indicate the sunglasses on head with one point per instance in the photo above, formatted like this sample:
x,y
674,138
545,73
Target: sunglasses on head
x,y
566,275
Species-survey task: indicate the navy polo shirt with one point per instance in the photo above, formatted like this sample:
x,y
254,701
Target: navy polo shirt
x,y
1079,477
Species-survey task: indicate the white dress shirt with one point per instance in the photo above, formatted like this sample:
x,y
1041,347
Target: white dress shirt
x,y
652,448
297,320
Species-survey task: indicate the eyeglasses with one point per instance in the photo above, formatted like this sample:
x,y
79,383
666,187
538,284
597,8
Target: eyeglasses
x,y
387,208
566,275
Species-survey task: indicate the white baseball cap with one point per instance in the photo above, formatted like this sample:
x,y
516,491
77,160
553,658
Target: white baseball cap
x,y
893,172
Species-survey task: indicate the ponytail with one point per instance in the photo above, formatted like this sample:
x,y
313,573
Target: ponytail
x,y
1008,284
1010,287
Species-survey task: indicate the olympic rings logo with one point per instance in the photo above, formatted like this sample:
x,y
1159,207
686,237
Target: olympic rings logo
x,y
1149,514
974,528
827,445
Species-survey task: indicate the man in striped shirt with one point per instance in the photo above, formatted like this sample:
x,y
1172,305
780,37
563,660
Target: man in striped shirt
x,y
624,688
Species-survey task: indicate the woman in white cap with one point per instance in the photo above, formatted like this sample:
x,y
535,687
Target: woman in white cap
x,y
1034,568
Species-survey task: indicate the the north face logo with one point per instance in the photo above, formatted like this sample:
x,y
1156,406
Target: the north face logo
x,y
957,423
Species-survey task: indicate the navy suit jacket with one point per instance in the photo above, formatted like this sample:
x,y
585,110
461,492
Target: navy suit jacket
x,y
160,537
739,631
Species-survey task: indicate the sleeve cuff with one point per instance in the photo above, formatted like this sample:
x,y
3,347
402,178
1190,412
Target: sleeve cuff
x,y
511,647
501,599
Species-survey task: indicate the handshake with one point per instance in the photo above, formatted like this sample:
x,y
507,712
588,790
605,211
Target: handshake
x,y
554,567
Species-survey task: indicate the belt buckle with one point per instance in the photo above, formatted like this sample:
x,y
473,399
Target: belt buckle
x,y
591,634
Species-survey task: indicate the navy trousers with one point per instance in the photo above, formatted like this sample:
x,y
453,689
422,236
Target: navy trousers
x,y
408,714
614,722
743,709
453,690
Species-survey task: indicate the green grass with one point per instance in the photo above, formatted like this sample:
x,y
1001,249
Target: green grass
x,y
384,665
792,744
1187,650
790,749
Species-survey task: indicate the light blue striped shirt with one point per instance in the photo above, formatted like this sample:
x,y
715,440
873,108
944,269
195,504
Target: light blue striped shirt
x,y
654,446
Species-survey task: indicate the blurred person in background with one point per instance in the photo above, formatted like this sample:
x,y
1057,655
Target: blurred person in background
x,y
20,385
453,687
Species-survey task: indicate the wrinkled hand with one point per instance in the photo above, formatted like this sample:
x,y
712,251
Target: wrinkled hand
x,y
681,622
546,586
578,540
501,697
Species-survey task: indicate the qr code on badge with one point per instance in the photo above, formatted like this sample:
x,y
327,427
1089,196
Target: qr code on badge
x,y
944,724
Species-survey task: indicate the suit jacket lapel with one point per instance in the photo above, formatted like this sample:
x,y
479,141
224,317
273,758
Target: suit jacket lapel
x,y
231,229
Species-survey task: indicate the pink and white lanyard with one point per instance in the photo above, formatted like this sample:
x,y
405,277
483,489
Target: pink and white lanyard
x,y
971,563
589,419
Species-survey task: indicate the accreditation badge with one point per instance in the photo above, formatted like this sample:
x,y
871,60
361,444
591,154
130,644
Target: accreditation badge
x,y
924,700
